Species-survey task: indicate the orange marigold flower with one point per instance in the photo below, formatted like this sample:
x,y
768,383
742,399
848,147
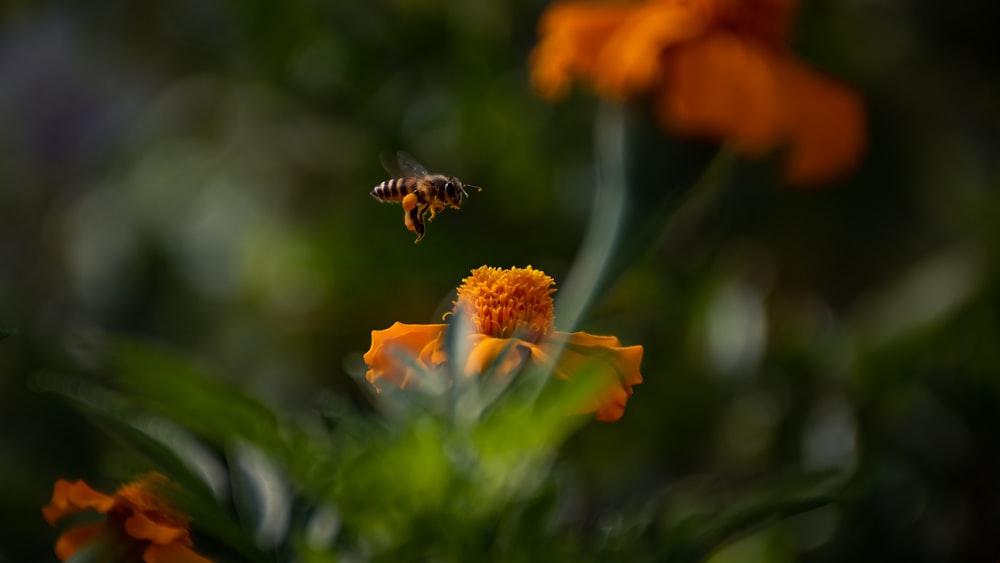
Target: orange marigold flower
x,y
138,512
511,320
719,69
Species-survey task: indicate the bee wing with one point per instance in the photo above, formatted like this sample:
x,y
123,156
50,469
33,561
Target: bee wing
x,y
402,165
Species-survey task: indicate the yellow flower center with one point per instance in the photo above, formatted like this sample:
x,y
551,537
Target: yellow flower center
x,y
506,303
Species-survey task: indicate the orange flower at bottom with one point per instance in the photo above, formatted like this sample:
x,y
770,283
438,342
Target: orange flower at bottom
x,y
139,509
511,318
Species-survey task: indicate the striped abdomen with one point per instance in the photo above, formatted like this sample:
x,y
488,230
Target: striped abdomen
x,y
395,189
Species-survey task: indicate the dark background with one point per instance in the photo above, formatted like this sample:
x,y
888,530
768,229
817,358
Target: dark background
x,y
197,174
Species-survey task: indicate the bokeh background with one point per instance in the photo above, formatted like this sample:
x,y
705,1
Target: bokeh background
x,y
196,174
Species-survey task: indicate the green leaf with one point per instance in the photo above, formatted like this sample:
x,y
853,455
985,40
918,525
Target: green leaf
x,y
696,521
214,410
189,395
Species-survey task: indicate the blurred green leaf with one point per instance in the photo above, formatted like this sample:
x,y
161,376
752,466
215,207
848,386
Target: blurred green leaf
x,y
165,384
694,522
160,382
261,494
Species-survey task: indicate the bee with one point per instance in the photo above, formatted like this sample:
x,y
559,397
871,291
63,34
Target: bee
x,y
422,194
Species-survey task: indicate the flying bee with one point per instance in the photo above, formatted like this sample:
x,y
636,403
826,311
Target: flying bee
x,y
422,194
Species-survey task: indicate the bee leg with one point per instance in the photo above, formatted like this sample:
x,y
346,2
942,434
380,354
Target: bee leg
x,y
419,228
415,222
410,201
410,218
435,209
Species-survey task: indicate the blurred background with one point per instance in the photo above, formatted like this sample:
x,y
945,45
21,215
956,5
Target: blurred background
x,y
196,174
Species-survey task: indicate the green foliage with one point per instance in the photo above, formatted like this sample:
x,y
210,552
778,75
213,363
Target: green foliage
x,y
427,483
192,265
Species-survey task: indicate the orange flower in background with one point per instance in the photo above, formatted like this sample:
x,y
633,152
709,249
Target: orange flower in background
x,y
139,509
512,323
719,69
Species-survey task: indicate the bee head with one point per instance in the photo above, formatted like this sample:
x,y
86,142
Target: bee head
x,y
454,191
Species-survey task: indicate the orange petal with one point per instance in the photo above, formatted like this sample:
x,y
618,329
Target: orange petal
x,y
433,354
618,366
504,355
141,527
572,35
74,538
172,553
70,498
396,350
613,405
629,64
826,125
725,87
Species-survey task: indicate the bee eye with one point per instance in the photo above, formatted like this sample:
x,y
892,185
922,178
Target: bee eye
x,y
449,189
